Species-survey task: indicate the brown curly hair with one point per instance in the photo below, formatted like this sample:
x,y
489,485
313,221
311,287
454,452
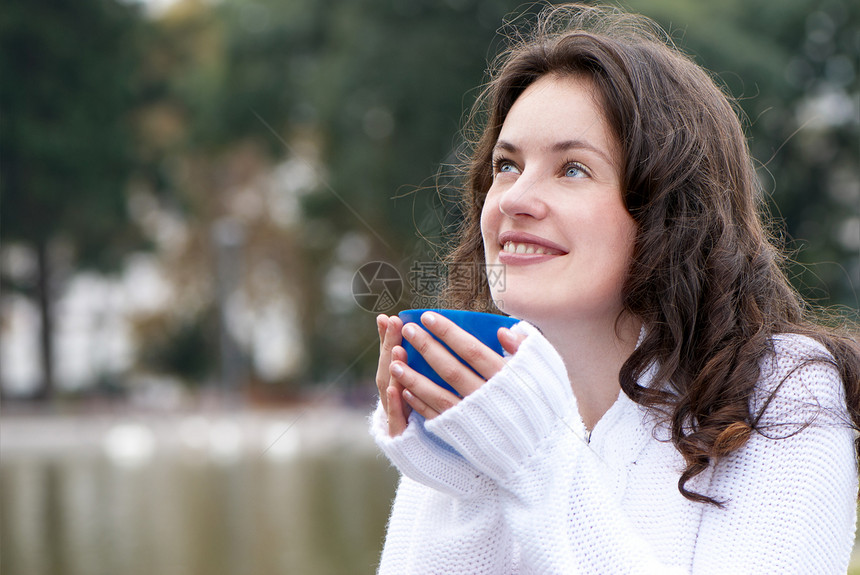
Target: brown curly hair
x,y
705,278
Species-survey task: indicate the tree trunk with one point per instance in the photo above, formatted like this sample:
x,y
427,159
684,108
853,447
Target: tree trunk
x,y
45,296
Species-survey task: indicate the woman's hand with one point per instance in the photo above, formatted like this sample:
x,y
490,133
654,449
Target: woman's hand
x,y
423,395
390,391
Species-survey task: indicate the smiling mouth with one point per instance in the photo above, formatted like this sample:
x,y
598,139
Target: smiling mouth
x,y
528,249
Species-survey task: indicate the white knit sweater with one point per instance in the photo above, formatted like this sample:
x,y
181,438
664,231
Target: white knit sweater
x,y
505,481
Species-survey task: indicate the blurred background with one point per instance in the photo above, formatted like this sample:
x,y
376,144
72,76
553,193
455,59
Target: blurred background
x,y
205,202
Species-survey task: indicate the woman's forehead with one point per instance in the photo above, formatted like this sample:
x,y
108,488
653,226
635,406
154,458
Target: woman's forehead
x,y
556,113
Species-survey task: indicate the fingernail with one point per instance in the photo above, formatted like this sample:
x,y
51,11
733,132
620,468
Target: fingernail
x,y
396,370
428,318
409,330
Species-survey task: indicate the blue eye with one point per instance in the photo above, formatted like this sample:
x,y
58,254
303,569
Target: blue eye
x,y
574,171
502,165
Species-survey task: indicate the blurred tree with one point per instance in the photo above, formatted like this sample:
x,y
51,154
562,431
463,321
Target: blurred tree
x,y
381,86
318,126
394,77
388,91
793,66
224,78
342,89
66,146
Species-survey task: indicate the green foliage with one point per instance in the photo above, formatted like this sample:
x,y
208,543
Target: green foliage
x,y
67,70
66,146
382,87
391,89
95,95
388,89
781,60
183,350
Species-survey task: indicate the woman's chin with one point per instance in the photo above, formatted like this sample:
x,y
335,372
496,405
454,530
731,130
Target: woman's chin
x,y
548,311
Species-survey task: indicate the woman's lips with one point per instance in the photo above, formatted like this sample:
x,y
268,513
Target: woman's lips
x,y
520,247
528,249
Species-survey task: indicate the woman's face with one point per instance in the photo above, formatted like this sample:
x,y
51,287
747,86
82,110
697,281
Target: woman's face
x,y
554,216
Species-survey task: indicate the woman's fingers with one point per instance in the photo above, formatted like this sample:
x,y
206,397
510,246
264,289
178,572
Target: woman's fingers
x,y
420,393
449,368
401,410
402,389
389,337
398,353
397,412
481,358
382,375
510,341
389,390
381,326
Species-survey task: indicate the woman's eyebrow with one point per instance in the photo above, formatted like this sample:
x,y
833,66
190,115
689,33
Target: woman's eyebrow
x,y
562,146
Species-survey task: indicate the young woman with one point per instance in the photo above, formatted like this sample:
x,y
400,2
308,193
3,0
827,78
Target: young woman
x,y
664,406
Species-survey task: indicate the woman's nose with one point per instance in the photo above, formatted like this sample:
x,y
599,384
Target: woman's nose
x,y
523,199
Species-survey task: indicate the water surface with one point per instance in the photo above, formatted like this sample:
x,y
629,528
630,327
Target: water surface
x,y
307,504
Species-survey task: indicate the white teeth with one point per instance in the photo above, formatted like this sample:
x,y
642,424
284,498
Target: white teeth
x,y
527,249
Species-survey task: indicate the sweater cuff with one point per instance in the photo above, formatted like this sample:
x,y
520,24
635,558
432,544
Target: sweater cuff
x,y
503,422
426,459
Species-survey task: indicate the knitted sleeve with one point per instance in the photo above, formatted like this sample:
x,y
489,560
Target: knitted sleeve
x,y
508,470
446,517
426,459
788,495
522,429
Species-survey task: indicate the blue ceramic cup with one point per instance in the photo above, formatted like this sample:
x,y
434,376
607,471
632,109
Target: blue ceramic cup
x,y
484,326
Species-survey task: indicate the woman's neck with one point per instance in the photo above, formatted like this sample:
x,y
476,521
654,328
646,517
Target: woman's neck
x,y
593,355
